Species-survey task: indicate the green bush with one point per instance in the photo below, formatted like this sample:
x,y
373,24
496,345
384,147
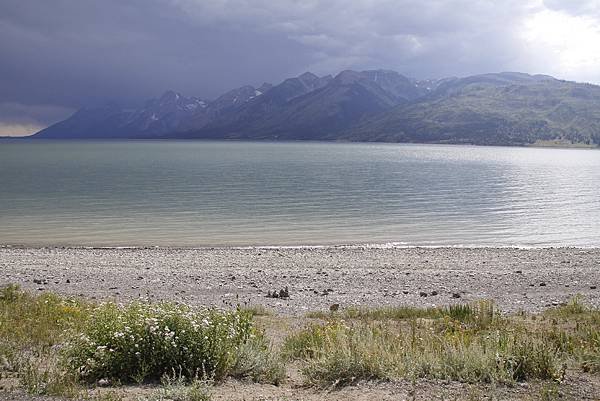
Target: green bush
x,y
340,353
258,361
143,342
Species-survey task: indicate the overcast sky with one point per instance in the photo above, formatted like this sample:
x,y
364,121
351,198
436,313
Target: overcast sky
x,y
57,56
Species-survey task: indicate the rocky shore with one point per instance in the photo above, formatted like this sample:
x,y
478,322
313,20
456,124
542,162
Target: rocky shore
x,y
312,278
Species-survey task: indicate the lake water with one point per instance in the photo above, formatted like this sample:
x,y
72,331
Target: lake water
x,y
249,193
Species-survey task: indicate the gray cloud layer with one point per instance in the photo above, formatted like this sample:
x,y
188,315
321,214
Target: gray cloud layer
x,y
64,54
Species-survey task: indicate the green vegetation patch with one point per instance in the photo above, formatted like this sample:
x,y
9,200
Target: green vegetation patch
x,y
467,343
575,329
141,342
55,345
481,311
59,346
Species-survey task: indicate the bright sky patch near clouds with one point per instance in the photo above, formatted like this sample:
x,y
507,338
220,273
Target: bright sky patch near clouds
x,y
19,129
22,120
564,45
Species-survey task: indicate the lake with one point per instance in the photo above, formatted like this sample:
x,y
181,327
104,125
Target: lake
x,y
196,193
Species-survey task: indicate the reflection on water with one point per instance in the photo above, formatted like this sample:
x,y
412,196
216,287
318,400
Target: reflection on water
x,y
242,193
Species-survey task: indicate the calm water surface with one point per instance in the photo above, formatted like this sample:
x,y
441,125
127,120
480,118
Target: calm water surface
x,y
242,193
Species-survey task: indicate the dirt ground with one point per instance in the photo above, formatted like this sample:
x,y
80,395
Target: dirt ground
x,y
516,279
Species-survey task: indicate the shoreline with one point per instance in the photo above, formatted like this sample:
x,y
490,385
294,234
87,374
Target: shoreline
x,y
317,277
549,145
358,245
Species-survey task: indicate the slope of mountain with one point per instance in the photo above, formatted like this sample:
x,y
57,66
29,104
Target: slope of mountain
x,y
488,111
230,121
507,108
399,86
320,113
160,117
99,122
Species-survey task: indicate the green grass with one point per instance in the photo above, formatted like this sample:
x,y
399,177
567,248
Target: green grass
x,y
179,390
31,327
338,353
36,323
467,343
575,328
56,345
483,311
60,346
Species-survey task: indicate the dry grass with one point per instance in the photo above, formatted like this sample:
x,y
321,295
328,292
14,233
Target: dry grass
x,y
468,343
458,312
56,346
40,344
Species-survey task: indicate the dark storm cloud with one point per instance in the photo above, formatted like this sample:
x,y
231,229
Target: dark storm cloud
x,y
71,53
78,51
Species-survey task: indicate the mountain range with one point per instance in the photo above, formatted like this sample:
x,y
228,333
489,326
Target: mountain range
x,y
507,108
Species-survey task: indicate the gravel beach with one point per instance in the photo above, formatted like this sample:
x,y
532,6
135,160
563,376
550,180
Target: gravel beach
x,y
316,277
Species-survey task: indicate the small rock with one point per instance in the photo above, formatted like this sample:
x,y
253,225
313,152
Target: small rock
x,y
103,383
283,293
542,284
519,271
592,287
422,294
68,281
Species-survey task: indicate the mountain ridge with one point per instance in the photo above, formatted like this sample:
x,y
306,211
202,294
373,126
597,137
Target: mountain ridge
x,y
506,108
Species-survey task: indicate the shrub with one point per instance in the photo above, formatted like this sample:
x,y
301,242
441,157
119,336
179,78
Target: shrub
x,y
178,391
309,342
257,361
143,342
338,353
46,376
